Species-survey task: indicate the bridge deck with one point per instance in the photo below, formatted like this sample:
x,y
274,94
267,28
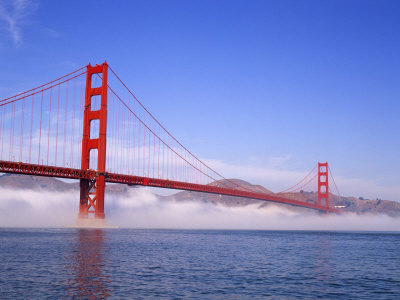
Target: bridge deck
x,y
60,172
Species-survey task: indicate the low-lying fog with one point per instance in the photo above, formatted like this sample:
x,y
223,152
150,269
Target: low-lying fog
x,y
140,208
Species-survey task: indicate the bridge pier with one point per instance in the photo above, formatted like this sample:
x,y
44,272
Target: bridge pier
x,y
83,204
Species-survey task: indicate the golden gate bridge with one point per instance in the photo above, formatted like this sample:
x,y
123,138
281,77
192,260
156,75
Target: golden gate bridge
x,y
88,125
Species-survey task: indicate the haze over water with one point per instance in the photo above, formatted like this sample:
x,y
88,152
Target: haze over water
x,y
128,263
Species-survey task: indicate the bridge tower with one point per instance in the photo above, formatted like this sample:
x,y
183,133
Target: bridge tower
x,y
94,143
323,186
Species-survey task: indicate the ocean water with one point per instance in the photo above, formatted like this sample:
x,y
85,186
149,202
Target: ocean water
x,y
203,264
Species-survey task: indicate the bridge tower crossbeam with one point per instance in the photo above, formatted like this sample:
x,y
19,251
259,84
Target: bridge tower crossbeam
x,y
92,190
323,185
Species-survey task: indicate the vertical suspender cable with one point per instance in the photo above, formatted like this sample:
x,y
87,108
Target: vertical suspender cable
x,y
2,130
144,149
40,126
21,131
58,114
30,139
148,159
11,151
48,129
73,123
134,144
65,122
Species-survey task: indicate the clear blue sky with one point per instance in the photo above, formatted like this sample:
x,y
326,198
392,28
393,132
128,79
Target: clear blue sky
x,y
277,85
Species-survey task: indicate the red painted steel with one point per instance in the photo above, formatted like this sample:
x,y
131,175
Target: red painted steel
x,y
138,144
42,170
90,175
323,187
92,190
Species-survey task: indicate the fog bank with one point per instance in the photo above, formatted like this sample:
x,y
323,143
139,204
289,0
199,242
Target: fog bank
x,y
140,208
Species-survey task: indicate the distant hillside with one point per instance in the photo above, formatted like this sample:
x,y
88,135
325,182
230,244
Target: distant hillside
x,y
352,204
221,199
27,182
347,204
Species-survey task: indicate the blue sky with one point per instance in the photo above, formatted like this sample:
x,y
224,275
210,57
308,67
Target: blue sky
x,y
262,90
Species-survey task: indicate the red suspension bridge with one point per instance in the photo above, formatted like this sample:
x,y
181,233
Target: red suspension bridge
x,y
88,125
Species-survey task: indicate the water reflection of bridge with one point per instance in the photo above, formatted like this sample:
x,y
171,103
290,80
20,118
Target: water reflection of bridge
x,y
89,279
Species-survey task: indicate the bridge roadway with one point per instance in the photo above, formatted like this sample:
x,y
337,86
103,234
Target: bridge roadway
x,y
60,172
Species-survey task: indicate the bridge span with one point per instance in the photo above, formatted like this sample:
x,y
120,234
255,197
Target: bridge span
x,y
87,125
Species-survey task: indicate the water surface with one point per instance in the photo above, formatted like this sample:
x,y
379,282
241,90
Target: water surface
x,y
127,263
